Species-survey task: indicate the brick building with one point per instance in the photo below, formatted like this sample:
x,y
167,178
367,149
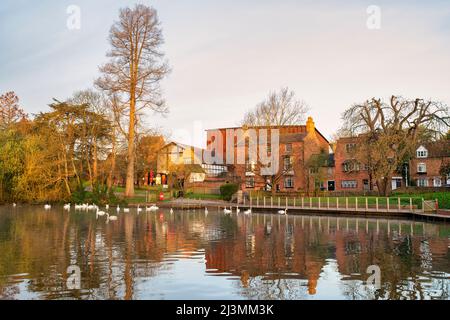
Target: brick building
x,y
304,161
425,167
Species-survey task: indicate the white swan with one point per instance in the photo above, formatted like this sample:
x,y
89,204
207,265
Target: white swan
x,y
100,213
227,211
206,210
126,210
67,207
238,210
14,205
283,211
153,208
139,209
118,209
111,218
107,207
249,211
47,207
171,211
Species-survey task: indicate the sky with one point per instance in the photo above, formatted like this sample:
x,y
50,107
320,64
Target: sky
x,y
226,56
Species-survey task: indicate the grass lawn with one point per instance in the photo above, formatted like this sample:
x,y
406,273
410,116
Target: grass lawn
x,y
442,197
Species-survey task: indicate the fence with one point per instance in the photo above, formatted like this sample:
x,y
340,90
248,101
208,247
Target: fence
x,y
341,203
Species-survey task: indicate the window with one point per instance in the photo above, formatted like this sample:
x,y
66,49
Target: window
x,y
288,182
422,168
250,182
250,166
288,147
437,182
422,182
314,170
448,179
350,147
287,163
349,184
187,160
350,165
422,152
213,170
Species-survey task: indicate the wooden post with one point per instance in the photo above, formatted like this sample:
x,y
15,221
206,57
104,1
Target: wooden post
x,y
319,202
294,201
356,203
387,204
271,202
303,203
328,203
376,203
367,204
399,204
346,203
337,202
278,201
310,202
264,202
286,202
410,204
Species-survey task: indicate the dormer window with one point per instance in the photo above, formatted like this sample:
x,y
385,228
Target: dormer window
x,y
422,152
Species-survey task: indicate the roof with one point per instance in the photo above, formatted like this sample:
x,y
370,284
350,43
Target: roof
x,y
438,149
292,137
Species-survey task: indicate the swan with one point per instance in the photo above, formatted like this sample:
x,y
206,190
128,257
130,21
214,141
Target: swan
x,y
249,211
206,210
107,207
126,210
100,213
111,218
171,211
227,211
238,210
67,207
47,207
154,208
283,211
14,205
139,209
118,209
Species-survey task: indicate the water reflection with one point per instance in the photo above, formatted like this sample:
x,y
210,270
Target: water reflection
x,y
190,255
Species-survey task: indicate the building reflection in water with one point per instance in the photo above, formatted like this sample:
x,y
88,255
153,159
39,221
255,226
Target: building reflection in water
x,y
263,256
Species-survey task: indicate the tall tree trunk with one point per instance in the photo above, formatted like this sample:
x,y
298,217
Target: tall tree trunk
x,y
129,188
95,164
113,160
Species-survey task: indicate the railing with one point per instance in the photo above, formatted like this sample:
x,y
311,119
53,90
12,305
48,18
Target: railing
x,y
385,204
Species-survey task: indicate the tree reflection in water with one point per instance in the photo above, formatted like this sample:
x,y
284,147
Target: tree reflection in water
x,y
249,257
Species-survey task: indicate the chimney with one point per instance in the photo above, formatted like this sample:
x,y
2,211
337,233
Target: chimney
x,y
310,127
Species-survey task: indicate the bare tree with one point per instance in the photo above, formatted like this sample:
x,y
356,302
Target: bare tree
x,y
134,72
389,131
279,109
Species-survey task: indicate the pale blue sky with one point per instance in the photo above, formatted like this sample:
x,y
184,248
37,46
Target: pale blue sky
x,y
227,55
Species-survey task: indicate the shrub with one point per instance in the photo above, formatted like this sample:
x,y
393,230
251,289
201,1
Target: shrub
x,y
227,190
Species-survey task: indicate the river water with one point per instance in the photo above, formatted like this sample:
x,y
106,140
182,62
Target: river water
x,y
191,255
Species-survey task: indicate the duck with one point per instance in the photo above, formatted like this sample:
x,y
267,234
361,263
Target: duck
x,y
283,211
47,207
227,211
249,211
